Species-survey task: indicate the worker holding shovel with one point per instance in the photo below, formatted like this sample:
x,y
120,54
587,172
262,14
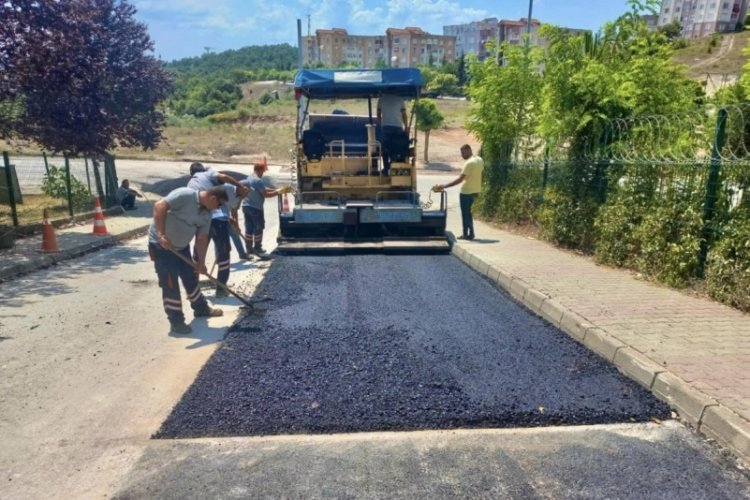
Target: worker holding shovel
x,y
178,217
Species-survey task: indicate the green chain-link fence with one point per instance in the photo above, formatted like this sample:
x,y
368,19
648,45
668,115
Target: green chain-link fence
x,y
66,187
663,195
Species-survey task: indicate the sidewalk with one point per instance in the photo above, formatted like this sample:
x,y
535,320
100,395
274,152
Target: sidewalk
x,y
73,241
692,353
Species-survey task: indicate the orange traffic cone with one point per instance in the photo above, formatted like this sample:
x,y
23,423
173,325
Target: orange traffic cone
x,y
49,240
285,204
100,229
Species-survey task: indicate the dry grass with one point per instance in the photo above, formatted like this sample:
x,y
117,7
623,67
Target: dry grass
x,y
700,61
32,208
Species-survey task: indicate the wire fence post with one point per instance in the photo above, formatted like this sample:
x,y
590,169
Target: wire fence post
x,y
88,177
97,179
46,164
712,188
68,189
11,193
545,172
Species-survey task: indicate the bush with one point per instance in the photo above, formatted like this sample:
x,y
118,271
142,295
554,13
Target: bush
x,y
266,98
669,239
568,222
229,116
54,186
517,200
728,264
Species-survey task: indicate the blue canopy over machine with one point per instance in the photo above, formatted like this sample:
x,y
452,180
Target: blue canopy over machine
x,y
357,83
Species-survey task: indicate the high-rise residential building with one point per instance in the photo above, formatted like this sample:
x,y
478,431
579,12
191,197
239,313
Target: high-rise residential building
x,y
397,48
513,32
471,38
700,18
336,46
411,47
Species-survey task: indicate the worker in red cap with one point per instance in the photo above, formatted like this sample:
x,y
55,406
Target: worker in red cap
x,y
252,207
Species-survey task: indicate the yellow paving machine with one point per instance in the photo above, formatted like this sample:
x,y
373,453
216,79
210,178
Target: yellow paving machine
x,y
343,199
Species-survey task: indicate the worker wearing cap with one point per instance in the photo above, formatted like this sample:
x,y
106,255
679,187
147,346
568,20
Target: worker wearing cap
x,y
178,217
203,178
252,208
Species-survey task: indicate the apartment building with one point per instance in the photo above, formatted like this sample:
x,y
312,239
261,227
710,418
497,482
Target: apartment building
x,y
700,18
411,46
405,47
513,32
472,37
336,47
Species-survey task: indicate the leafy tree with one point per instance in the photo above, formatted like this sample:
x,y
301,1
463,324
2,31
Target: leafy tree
x,y
77,77
506,99
443,84
672,30
428,118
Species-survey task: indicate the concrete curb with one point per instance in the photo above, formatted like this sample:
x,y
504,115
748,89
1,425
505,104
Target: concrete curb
x,y
694,407
42,261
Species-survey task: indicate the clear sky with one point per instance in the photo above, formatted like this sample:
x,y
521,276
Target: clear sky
x,y
184,28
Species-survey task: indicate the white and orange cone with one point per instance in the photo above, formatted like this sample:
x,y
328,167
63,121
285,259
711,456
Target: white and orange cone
x,y
49,240
100,228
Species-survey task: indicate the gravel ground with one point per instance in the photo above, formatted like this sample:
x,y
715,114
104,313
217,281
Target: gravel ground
x,y
366,343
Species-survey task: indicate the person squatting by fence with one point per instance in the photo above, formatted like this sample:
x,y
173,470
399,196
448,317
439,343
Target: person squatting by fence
x,y
471,177
178,217
252,208
126,196
201,179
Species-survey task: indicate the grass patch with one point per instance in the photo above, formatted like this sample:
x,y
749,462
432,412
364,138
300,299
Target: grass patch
x,y
32,209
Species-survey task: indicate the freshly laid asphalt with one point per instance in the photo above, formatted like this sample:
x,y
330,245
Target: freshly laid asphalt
x,y
688,351
397,346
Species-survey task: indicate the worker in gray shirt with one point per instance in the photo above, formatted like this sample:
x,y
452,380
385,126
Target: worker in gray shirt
x,y
178,217
252,208
205,178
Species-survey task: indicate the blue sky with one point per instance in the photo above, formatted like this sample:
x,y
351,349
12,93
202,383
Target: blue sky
x,y
184,28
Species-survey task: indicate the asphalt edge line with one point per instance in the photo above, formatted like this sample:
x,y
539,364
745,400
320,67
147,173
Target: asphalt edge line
x,y
703,413
43,261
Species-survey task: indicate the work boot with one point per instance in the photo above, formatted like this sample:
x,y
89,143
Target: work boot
x,y
180,328
209,312
261,253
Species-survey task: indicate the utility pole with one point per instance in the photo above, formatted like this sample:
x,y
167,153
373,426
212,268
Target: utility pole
x,y
308,25
528,23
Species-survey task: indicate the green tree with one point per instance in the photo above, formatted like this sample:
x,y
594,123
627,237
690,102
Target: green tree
x,y
428,118
443,84
505,99
672,30
78,76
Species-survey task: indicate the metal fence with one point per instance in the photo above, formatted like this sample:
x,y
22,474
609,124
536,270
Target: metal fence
x,y
697,162
65,187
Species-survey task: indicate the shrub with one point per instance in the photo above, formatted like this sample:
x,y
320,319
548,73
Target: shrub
x,y
54,186
568,222
229,116
669,238
728,264
266,98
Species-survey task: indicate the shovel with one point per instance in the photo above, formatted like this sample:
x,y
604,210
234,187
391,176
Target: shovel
x,y
213,280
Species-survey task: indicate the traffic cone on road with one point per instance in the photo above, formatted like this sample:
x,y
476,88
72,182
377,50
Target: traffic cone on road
x,y
49,240
285,204
100,229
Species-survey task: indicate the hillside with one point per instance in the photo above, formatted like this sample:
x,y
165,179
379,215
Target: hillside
x,y
717,65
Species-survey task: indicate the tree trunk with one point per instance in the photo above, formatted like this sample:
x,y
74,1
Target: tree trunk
x,y
426,145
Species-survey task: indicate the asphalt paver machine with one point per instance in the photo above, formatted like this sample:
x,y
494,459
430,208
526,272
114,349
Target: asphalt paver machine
x,y
343,200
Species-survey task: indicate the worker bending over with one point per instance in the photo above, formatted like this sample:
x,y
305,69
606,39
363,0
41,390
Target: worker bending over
x,y
178,217
203,178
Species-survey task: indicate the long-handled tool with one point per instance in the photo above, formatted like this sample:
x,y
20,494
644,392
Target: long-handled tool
x,y
212,279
